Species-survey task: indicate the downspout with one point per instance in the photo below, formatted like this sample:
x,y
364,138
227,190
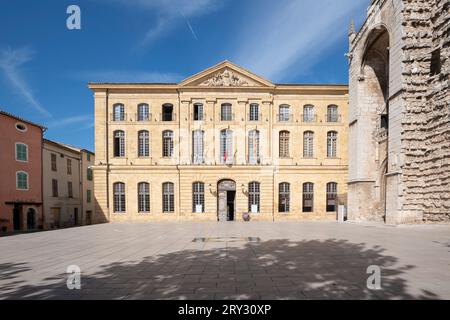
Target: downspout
x,y
107,154
42,178
179,156
81,185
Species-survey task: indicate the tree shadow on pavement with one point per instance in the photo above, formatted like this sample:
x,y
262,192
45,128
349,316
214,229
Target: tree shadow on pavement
x,y
274,269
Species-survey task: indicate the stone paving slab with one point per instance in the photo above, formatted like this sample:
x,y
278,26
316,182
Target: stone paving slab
x,y
290,260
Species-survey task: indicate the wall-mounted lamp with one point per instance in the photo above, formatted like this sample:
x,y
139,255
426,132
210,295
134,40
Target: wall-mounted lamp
x,y
244,189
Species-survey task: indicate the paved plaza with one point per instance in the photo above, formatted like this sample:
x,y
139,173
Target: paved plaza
x,y
254,260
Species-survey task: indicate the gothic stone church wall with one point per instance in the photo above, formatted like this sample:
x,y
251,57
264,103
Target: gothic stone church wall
x,y
399,174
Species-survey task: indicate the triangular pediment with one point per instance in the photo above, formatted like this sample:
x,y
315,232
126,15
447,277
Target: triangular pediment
x,y
226,74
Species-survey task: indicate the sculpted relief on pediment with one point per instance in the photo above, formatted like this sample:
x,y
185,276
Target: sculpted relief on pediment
x,y
227,78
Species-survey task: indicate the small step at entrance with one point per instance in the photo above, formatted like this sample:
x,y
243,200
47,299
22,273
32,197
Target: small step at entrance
x,y
228,239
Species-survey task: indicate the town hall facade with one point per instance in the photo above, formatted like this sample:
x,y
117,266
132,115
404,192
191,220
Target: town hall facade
x,y
219,144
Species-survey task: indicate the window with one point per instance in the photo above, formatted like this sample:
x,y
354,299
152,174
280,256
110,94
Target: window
x,y
168,197
69,189
54,188
254,197
226,146
198,197
435,67
119,196
53,161
22,180
284,113
119,143
283,197
88,196
226,112
143,143
69,166
89,174
143,112
254,112
331,196
284,144
21,152
21,127
119,112
332,113
197,146
167,143
308,197
308,144
331,144
253,147
143,197
88,156
167,112
198,112
308,113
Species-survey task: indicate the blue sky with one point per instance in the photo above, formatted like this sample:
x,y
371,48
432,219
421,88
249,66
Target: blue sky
x,y
45,68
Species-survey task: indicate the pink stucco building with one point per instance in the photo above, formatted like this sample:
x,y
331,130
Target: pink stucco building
x,y
21,174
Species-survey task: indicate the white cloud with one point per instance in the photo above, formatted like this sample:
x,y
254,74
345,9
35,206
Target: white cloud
x,y
170,13
10,62
283,34
128,76
63,122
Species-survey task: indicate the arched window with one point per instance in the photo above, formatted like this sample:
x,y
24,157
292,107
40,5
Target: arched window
x,y
167,144
21,180
254,197
226,113
167,112
143,143
198,197
308,144
284,144
168,197
332,113
21,152
308,113
254,112
308,197
144,197
197,146
118,112
331,196
284,113
253,147
331,144
143,112
283,197
119,143
198,112
226,146
119,196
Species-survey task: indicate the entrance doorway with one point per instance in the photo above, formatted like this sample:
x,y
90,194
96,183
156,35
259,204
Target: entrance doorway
x,y
31,219
226,200
17,218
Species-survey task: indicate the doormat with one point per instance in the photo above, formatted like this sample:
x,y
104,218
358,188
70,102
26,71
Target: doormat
x,y
228,239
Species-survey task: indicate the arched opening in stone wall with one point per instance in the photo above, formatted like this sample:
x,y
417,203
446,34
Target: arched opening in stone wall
x,y
375,77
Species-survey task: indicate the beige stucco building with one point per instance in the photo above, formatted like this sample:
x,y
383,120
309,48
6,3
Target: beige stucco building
x,y
68,185
219,144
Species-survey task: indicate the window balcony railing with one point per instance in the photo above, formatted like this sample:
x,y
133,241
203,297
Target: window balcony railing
x,y
143,117
227,161
336,118
167,117
308,118
285,118
254,117
227,117
254,161
198,117
118,117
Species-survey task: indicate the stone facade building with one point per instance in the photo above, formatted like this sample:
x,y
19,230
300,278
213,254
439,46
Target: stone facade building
x,y
219,144
399,117
67,185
